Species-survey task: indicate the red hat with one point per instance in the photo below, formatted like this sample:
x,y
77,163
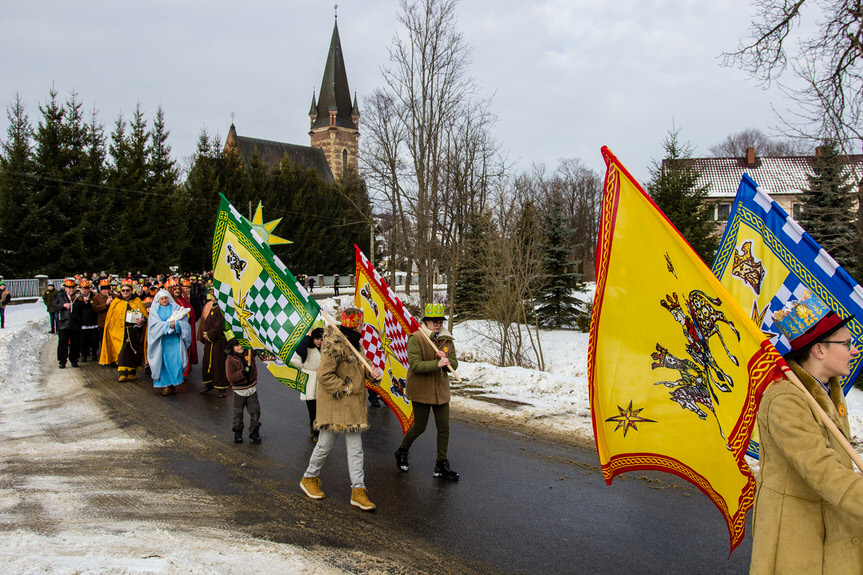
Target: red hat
x,y
85,283
69,282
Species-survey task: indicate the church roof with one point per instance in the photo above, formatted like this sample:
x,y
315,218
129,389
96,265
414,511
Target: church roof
x,y
335,93
272,152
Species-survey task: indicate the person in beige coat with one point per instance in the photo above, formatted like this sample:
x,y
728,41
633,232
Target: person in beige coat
x,y
808,515
341,407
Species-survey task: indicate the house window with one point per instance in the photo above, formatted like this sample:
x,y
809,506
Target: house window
x,y
796,210
722,211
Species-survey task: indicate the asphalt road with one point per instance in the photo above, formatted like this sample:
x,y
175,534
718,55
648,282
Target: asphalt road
x,y
523,505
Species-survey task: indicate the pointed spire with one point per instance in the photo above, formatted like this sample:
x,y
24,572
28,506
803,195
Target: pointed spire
x,y
313,111
335,93
355,111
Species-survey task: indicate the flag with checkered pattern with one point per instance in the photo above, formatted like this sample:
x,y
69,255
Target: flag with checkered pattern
x,y
385,336
265,307
766,259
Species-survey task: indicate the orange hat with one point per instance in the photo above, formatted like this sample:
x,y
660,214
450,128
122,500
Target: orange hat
x,y
104,283
352,317
170,282
154,290
186,283
127,282
85,284
69,282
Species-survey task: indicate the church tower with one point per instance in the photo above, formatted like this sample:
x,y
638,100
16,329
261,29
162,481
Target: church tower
x,y
334,119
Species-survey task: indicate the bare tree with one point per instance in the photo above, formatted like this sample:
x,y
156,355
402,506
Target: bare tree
x,y
427,81
829,62
735,145
514,264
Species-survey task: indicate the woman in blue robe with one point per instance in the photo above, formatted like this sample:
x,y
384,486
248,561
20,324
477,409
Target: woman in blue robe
x,y
167,343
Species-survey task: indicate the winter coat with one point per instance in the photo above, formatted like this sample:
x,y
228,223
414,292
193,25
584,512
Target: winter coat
x,y
808,514
100,306
341,393
426,382
235,370
69,318
48,299
89,315
308,358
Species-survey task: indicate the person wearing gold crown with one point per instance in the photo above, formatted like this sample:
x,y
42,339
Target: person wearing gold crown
x,y
124,340
808,515
68,304
428,387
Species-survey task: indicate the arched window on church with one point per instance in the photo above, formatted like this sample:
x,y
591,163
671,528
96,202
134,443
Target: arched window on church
x,y
344,161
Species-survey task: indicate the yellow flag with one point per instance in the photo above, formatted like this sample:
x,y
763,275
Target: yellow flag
x,y
385,337
676,367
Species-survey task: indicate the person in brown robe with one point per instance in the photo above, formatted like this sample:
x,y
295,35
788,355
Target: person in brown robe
x,y
211,332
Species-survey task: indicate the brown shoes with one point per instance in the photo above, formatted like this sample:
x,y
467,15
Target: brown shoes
x,y
168,390
311,486
361,500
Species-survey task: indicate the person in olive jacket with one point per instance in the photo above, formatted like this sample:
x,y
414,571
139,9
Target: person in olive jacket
x,y
808,514
428,387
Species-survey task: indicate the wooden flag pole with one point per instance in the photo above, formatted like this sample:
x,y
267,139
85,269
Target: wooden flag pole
x,y
359,355
843,441
431,343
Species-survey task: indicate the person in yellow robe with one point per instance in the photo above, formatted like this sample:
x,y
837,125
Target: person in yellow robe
x,y
124,341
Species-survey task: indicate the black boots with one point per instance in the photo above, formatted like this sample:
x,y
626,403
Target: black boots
x,y
442,470
402,459
238,437
255,437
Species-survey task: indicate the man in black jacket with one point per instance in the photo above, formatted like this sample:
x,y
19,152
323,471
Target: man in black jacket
x,y
68,303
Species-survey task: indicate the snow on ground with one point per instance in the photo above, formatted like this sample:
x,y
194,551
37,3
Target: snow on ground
x,y
47,525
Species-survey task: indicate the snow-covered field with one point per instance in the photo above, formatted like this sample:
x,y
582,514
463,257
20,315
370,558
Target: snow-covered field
x,y
37,410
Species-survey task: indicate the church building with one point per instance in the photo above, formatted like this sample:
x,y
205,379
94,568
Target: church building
x,y
334,127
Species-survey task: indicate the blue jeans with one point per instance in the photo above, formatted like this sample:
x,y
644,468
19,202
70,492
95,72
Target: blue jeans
x,y
354,445
55,316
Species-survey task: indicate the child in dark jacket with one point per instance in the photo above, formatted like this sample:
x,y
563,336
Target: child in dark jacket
x,y
242,373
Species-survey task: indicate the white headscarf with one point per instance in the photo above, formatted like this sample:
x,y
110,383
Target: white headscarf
x,y
164,292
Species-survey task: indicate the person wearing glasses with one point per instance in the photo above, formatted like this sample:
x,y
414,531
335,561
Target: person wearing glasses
x,y
428,388
125,330
808,515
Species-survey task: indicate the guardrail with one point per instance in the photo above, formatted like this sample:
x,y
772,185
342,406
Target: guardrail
x,y
28,287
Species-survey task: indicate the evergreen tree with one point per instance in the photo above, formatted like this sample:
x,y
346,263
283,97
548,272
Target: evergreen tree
x,y
828,208
166,233
44,227
557,307
16,173
674,187
471,282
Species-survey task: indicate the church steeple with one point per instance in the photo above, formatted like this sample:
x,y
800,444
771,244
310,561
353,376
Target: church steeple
x,y
335,93
334,118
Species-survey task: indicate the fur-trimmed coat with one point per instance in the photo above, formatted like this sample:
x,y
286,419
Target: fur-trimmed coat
x,y
341,392
809,501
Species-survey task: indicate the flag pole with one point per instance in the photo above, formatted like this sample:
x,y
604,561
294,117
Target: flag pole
x,y
843,441
335,326
428,339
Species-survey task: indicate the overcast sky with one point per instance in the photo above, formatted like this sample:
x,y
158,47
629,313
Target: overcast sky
x,y
566,76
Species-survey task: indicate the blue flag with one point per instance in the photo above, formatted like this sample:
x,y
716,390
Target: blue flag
x,y
766,259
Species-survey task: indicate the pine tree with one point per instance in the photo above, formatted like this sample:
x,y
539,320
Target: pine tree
x,y
674,187
201,189
557,307
828,208
165,213
16,178
471,283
